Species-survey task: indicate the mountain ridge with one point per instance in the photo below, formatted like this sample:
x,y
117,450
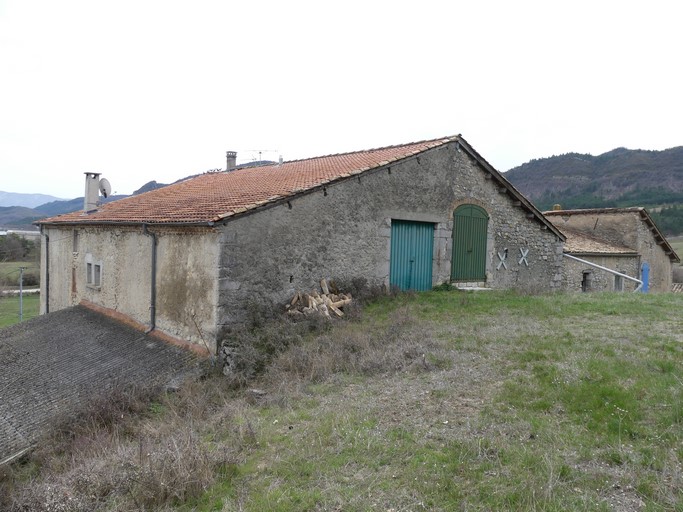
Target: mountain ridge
x,y
615,176
618,178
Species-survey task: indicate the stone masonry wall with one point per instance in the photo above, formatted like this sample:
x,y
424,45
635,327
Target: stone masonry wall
x,y
601,281
661,267
343,231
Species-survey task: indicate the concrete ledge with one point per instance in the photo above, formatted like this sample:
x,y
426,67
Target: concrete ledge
x,y
30,291
471,286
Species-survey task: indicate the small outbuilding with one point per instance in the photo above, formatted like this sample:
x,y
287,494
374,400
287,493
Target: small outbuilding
x,y
625,242
192,258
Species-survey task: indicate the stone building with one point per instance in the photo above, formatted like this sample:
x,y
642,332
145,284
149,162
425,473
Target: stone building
x,y
625,240
190,258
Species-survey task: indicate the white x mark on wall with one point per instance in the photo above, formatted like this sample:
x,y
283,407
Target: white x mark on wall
x,y
524,253
502,257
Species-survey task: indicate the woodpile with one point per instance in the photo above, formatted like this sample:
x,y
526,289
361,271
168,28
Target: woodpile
x,y
325,303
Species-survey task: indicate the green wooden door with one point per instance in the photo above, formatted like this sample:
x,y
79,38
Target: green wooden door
x,y
470,225
412,249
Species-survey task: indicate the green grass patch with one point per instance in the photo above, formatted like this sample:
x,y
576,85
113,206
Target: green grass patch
x,y
9,309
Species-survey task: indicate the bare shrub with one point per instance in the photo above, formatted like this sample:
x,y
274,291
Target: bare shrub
x,y
358,287
118,456
349,349
161,471
248,351
173,469
31,279
99,416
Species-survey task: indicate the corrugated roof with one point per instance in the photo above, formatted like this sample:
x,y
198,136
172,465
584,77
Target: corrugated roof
x,y
214,196
90,354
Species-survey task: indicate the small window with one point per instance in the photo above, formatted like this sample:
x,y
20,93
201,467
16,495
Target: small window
x,y
97,273
618,284
587,281
93,272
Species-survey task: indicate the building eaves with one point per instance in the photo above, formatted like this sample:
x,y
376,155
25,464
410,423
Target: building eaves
x,y
507,187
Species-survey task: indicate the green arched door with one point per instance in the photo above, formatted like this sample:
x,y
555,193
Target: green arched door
x,y
470,226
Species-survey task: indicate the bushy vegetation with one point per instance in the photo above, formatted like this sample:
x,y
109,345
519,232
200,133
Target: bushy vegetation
x,y
438,401
16,248
15,252
669,219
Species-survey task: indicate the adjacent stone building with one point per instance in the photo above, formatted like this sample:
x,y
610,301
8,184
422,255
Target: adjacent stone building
x,y
191,258
625,240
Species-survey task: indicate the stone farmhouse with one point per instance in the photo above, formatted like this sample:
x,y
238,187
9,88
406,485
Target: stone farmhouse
x,y
625,240
189,259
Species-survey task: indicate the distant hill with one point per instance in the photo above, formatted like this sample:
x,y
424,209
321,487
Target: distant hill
x,y
72,205
18,217
25,200
621,177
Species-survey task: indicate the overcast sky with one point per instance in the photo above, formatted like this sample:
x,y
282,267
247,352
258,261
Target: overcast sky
x,y
157,90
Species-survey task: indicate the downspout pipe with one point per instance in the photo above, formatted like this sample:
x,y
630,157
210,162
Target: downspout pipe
x,y
591,264
47,271
153,285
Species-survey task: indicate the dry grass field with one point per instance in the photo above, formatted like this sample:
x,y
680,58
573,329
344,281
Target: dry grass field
x,y
440,401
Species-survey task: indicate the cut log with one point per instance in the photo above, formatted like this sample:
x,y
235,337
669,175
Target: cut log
x,y
335,310
314,303
324,311
295,299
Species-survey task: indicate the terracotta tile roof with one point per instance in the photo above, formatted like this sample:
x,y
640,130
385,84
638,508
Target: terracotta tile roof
x,y
214,196
581,243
